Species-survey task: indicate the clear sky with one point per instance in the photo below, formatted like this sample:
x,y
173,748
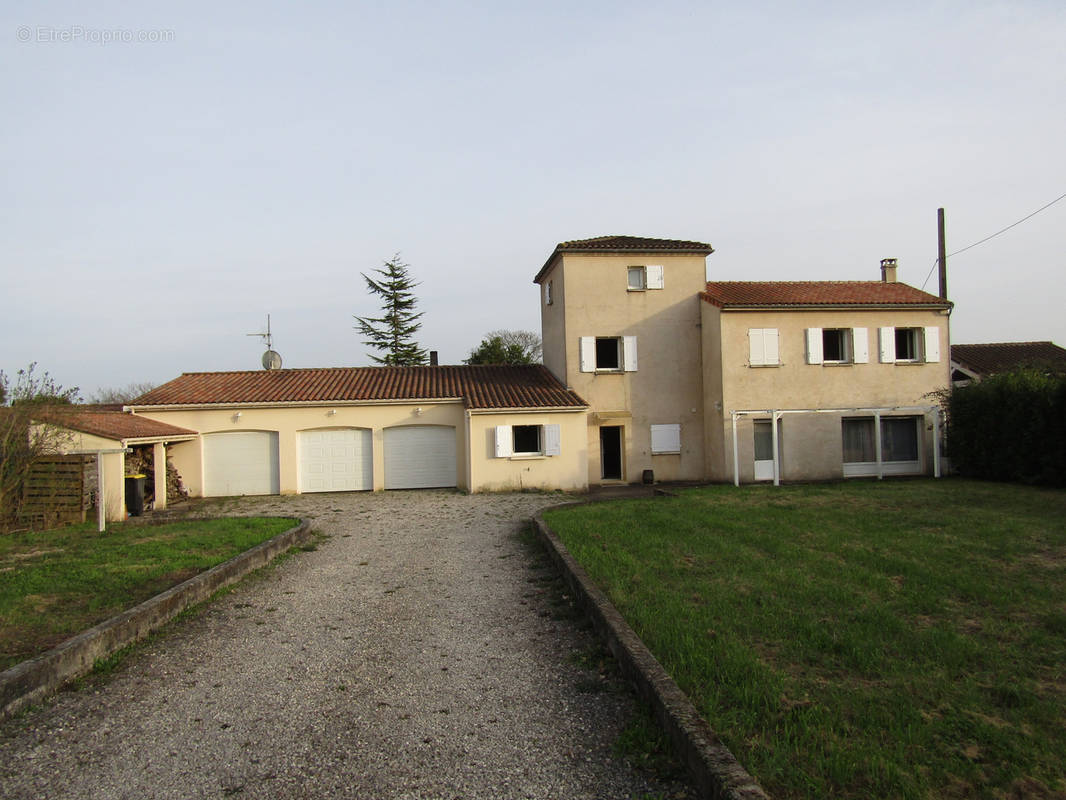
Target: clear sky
x,y
172,172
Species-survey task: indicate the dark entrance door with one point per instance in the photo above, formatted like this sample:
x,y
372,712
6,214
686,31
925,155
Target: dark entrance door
x,y
611,452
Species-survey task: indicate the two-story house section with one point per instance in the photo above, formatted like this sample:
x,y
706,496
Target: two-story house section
x,y
620,322
814,380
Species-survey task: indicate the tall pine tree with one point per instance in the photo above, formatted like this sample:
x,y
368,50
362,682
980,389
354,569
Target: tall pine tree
x,y
392,334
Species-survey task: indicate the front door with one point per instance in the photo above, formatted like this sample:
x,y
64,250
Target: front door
x,y
611,453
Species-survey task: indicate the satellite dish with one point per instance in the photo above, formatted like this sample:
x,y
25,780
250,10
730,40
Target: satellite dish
x,y
271,359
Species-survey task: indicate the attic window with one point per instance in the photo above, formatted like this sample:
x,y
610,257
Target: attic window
x,y
646,277
637,279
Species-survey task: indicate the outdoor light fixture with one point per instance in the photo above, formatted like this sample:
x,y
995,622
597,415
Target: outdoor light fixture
x,y
418,411
331,413
237,417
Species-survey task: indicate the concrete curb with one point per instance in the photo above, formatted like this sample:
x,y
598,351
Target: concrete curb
x,y
38,677
713,769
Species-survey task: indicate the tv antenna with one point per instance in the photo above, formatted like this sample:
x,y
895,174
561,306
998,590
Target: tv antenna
x,y
271,359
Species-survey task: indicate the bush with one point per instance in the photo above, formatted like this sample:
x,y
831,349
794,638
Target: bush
x,y
1010,427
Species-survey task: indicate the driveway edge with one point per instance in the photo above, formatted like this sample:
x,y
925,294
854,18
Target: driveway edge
x,y
38,677
714,770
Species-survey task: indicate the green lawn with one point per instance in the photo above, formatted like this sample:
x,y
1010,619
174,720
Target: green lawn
x,y
55,584
862,639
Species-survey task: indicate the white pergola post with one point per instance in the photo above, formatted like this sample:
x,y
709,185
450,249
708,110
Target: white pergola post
x,y
736,454
774,417
159,467
100,515
877,446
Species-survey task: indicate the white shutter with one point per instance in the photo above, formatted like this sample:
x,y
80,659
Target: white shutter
x,y
860,341
814,345
888,345
769,342
552,440
588,353
654,276
756,350
666,438
629,353
932,344
504,441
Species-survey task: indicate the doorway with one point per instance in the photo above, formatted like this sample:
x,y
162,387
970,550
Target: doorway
x,y
611,453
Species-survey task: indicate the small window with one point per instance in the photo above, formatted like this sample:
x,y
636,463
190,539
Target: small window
x,y
908,347
637,279
526,439
666,438
836,345
646,277
548,293
607,353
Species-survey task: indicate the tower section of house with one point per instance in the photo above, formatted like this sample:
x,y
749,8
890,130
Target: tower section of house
x,y
822,379
620,323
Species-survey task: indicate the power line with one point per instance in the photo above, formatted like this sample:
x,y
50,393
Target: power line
x,y
993,236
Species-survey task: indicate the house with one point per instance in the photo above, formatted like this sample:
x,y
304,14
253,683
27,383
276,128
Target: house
x,y
972,362
650,372
287,431
694,380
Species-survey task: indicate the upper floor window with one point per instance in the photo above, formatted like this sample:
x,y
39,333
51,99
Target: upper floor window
x,y
608,353
837,346
762,347
910,345
548,293
646,277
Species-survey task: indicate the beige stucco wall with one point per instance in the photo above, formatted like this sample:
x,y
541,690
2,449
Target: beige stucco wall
x,y
477,468
566,471
667,387
810,444
288,421
553,322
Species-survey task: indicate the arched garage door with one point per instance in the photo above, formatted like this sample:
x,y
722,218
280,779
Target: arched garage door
x,y
419,457
241,462
336,460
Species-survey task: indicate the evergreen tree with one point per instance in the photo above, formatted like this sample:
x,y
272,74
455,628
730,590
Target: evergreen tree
x,y
392,334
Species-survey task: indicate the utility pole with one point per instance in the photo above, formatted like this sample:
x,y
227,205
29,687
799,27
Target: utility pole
x,y
942,254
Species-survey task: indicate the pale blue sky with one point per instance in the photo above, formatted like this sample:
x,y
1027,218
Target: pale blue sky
x,y
159,198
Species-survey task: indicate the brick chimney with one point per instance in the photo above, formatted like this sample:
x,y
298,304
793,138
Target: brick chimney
x,y
888,270
433,358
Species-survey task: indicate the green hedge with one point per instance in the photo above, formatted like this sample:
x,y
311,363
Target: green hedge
x,y
1010,427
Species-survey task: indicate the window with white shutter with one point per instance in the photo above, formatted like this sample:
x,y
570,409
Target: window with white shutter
x,y
763,348
814,345
932,344
528,440
666,438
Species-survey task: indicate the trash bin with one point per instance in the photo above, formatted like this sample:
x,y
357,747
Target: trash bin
x,y
135,495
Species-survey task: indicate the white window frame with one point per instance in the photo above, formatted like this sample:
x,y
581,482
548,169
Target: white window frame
x,y
763,347
879,467
550,437
666,439
856,346
650,276
926,345
627,354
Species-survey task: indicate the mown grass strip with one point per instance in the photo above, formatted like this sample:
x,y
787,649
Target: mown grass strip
x,y
55,584
896,639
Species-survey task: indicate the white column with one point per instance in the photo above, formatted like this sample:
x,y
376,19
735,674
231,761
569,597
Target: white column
x,y
159,466
100,496
736,455
774,417
877,445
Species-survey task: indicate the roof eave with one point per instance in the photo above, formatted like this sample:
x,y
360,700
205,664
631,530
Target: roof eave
x,y
615,251
829,306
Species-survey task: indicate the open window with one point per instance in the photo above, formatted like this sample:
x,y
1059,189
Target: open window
x,y
910,345
527,440
645,277
608,353
837,346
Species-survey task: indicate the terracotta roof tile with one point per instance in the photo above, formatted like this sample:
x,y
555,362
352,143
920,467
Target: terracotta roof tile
x,y
993,357
479,387
113,424
785,294
626,244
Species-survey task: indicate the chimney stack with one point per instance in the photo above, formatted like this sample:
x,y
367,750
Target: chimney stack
x,y
888,270
433,358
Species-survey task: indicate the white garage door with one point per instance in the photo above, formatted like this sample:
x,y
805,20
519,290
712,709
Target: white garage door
x,y
241,462
419,457
336,460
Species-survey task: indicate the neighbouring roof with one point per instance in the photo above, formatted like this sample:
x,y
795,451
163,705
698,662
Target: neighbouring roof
x,y
115,425
479,387
793,294
626,244
993,357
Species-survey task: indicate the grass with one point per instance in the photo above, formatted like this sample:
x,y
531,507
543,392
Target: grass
x,y
55,584
896,639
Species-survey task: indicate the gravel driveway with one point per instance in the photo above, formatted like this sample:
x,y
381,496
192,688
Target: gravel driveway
x,y
414,654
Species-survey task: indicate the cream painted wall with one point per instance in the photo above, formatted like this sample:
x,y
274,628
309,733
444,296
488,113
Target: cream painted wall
x,y
667,387
565,471
811,443
553,322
